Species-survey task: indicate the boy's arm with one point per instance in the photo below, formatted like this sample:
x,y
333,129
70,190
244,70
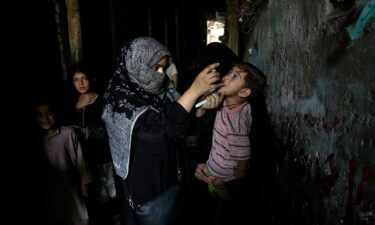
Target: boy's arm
x,y
240,170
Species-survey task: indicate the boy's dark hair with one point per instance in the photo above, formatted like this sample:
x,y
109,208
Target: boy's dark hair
x,y
255,79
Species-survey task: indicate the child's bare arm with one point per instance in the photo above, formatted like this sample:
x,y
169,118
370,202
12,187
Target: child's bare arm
x,y
240,170
218,183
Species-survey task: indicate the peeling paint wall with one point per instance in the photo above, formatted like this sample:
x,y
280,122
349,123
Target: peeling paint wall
x,y
321,102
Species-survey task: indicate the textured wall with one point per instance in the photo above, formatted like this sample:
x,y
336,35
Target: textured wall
x,y
321,102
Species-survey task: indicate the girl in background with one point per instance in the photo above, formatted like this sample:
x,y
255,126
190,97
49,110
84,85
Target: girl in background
x,y
88,108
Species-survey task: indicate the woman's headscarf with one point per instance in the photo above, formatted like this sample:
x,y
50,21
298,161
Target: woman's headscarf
x,y
134,88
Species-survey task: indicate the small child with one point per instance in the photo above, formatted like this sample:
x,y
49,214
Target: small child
x,y
68,173
230,150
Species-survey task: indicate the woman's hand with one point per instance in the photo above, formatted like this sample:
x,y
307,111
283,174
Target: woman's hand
x,y
204,82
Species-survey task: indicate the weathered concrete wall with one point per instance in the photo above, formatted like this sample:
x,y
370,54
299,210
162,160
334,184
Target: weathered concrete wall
x,y
321,102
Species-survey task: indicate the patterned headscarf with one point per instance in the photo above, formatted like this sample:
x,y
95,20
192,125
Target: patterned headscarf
x,y
134,88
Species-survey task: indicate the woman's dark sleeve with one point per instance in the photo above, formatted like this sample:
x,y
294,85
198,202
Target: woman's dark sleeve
x,y
205,127
156,127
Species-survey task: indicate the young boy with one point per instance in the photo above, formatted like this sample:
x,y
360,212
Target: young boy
x,y
230,151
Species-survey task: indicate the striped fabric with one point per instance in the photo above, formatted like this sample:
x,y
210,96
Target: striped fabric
x,y
230,140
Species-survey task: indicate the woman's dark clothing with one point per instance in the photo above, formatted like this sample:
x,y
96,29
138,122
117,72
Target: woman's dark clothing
x,y
142,120
204,131
153,163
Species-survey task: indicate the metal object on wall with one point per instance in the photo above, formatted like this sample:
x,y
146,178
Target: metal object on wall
x,y
246,12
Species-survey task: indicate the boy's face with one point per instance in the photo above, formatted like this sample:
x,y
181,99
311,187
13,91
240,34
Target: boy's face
x,y
234,82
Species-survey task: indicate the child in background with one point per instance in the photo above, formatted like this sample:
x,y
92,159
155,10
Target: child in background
x,y
68,173
88,109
